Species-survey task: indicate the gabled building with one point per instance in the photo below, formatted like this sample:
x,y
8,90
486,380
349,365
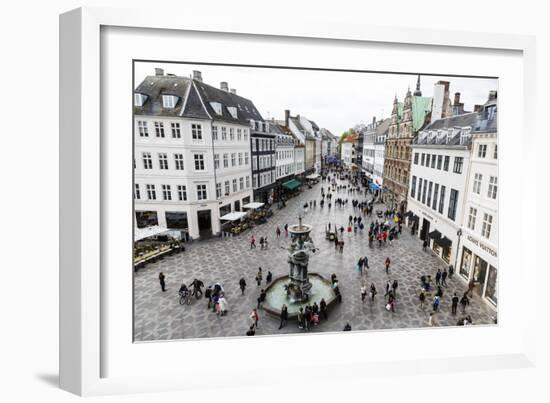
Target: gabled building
x,y
348,150
262,137
308,133
373,150
406,120
192,153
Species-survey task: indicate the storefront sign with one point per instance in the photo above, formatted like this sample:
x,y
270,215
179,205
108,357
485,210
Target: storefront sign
x,y
481,245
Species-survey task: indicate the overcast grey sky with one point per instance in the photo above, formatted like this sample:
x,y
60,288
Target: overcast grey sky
x,y
334,100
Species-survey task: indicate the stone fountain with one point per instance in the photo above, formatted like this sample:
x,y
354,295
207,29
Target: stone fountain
x,y
299,288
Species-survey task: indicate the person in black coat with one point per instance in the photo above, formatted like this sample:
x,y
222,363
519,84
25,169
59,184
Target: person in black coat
x,y
284,316
242,285
323,308
162,281
454,304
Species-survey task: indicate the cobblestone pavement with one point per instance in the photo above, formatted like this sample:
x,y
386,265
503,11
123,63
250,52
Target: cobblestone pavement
x,y
159,316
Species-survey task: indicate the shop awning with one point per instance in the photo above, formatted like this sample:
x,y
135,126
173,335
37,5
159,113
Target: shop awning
x,y
292,184
414,217
234,216
435,234
142,233
444,242
374,186
253,205
312,176
409,214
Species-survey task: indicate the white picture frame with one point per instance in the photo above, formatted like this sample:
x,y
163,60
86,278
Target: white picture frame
x,y
85,310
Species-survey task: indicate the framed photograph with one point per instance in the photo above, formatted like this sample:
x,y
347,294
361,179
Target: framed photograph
x,y
283,198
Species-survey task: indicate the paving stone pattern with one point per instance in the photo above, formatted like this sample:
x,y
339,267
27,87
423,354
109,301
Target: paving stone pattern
x,y
159,316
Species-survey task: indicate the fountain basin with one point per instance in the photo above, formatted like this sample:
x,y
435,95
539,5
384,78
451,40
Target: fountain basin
x,y
276,295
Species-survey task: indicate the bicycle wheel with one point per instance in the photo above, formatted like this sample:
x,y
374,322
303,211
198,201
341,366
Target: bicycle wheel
x,y
182,300
188,300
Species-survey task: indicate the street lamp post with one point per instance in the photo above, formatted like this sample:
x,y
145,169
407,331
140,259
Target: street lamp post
x,y
459,234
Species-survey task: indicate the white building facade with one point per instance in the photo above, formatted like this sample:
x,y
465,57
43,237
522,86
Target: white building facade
x,y
478,259
191,154
438,183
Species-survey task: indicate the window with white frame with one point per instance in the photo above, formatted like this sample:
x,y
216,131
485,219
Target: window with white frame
x,y
225,161
217,161
169,101
214,132
254,181
143,129
201,192
163,161
477,183
178,161
224,133
137,193
218,190
241,183
196,131
472,218
176,132
147,161
457,168
239,134
233,160
486,227
245,134
240,159
234,185
199,162
227,190
492,192
159,129
481,150
151,192
182,193
495,152
247,182
166,192
246,158
231,134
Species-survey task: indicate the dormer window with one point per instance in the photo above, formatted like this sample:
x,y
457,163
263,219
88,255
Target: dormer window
x,y
217,107
139,99
233,111
169,101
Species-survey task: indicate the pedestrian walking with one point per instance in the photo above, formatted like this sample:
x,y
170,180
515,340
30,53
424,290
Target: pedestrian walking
x,y
388,287
251,331
269,277
252,242
278,232
372,293
286,230
242,285
363,293
162,281
451,271
438,277
323,308
424,244
254,318
454,304
366,261
444,277
387,263
435,303
394,287
259,276
464,301
422,298
261,298
471,286
338,294
283,316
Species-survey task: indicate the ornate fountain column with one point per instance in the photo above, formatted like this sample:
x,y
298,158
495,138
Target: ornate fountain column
x,y
299,287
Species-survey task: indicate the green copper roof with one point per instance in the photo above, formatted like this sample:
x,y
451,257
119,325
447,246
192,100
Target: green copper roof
x,y
421,106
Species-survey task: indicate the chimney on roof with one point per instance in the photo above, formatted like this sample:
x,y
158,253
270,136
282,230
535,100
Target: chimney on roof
x,y
492,95
197,75
457,98
233,91
477,108
287,117
159,71
224,86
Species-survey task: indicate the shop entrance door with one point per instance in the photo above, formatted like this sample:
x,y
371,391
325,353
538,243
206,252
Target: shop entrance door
x,y
205,223
480,274
425,229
